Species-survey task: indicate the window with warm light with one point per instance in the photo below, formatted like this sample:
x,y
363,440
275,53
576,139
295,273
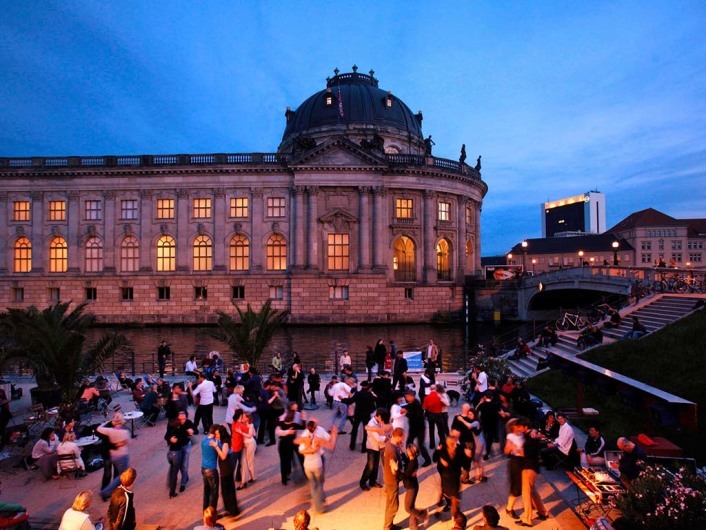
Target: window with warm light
x,y
20,211
23,255
404,208
93,210
239,207
57,210
129,254
58,255
203,253
403,260
276,206
166,254
94,254
443,262
239,253
276,253
165,208
202,208
444,213
128,209
338,251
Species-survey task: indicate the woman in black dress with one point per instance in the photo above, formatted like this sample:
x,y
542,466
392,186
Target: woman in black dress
x,y
287,426
226,469
411,485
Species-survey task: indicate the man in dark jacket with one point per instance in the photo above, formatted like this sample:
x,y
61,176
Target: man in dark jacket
x,y
399,371
364,407
121,512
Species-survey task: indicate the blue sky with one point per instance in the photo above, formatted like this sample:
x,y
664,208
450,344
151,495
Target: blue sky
x,y
559,97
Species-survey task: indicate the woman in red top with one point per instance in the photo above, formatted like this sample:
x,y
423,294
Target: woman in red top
x,y
247,458
238,430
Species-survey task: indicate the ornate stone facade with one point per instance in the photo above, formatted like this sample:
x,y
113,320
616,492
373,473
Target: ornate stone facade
x,y
332,228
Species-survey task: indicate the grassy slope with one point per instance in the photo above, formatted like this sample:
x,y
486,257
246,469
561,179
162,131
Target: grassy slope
x,y
673,359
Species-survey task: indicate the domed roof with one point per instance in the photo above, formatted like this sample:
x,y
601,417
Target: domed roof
x,y
362,106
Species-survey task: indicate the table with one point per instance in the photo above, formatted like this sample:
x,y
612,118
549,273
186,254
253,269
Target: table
x,y
88,440
131,417
598,486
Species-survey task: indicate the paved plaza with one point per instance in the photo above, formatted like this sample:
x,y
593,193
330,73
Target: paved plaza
x,y
266,503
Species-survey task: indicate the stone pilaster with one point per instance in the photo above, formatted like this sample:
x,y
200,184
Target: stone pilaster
x,y
429,238
146,233
312,230
380,230
72,235
37,235
109,220
364,228
257,245
219,230
183,215
298,228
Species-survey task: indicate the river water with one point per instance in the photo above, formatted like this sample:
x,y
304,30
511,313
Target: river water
x,y
317,346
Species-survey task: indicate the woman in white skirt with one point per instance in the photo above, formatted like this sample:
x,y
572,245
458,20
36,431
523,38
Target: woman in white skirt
x,y
247,459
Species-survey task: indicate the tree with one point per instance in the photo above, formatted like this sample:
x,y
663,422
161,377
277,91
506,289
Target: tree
x,y
52,342
249,336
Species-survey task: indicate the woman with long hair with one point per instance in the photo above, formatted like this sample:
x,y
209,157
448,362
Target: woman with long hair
x,y
77,517
411,485
287,426
514,448
226,469
480,450
247,459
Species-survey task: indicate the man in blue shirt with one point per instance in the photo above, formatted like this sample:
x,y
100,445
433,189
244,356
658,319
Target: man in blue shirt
x,y
209,469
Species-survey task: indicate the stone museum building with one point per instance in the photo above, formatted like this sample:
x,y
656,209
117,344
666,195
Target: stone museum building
x,y
352,220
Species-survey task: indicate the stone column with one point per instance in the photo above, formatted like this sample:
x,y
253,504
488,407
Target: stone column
x,y
477,211
429,243
5,236
145,234
298,228
109,220
364,228
72,236
460,247
312,229
183,221
257,245
37,237
380,232
219,229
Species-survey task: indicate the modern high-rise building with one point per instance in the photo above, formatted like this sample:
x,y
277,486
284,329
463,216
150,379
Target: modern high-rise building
x,y
577,215
351,220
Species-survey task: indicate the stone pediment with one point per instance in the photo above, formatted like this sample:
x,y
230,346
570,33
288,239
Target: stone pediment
x,y
338,220
338,152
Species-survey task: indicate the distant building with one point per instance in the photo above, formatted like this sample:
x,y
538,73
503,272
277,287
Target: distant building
x,y
657,236
581,214
351,220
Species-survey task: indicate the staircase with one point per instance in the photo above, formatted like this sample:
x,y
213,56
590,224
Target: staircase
x,y
654,313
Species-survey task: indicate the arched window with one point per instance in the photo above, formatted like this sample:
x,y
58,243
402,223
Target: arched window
x,y
239,253
276,253
166,254
94,255
58,255
130,254
23,255
403,260
203,253
443,261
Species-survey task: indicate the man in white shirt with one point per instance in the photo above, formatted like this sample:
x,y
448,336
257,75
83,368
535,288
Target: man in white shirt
x,y
481,379
561,447
339,392
205,391
345,360
398,414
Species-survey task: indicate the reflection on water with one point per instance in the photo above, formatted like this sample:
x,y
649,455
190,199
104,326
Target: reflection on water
x,y
316,345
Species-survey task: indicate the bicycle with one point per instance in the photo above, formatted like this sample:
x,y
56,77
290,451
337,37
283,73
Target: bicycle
x,y
638,291
598,313
671,283
571,320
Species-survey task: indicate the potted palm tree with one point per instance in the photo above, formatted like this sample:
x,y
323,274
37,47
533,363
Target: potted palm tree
x,y
52,342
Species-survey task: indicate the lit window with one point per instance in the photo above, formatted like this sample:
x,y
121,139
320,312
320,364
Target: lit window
x,y
328,98
57,210
238,292
163,293
129,254
239,253
94,255
338,252
202,208
239,207
276,292
404,208
444,211
20,211
276,206
166,254
127,294
203,253
91,293
165,208
403,260
200,293
443,263
23,255
276,253
128,209
338,292
58,255
93,210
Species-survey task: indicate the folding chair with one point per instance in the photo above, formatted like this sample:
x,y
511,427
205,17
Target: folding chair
x,y
66,466
38,418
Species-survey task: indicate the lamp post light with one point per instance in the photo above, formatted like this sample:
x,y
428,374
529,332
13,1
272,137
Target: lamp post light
x,y
592,260
534,262
615,246
581,257
524,255
509,259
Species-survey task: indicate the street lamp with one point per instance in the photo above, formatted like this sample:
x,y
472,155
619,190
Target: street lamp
x,y
524,255
581,257
534,262
509,259
615,246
